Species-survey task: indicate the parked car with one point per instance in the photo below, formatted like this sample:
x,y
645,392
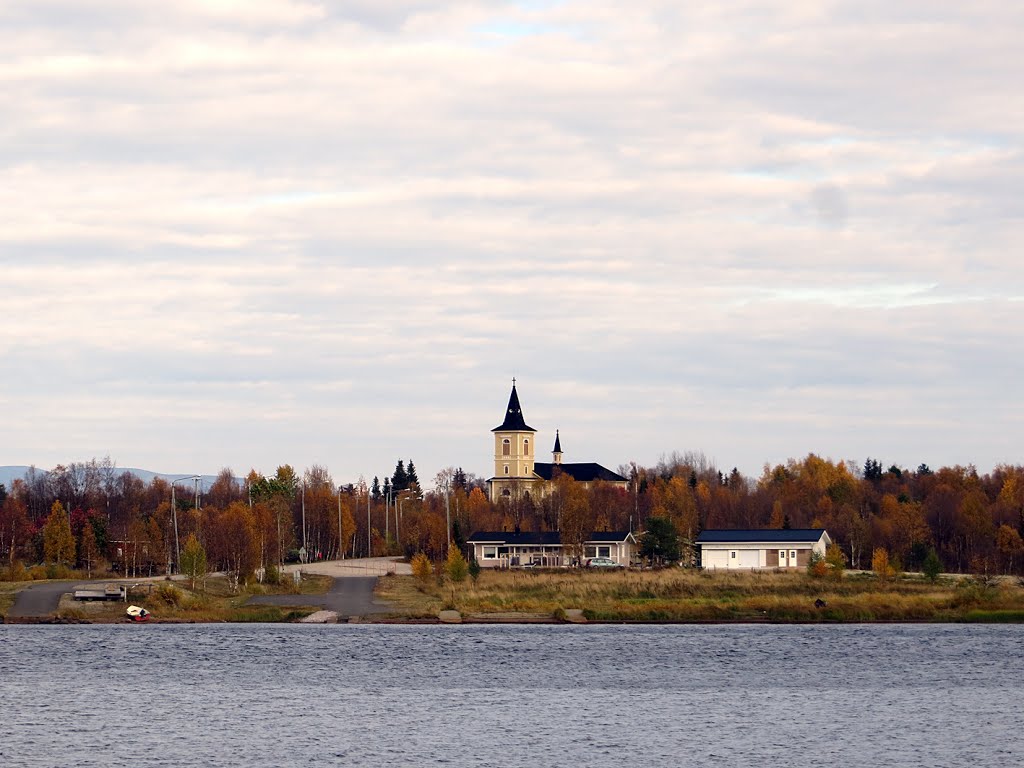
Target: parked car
x,y
602,562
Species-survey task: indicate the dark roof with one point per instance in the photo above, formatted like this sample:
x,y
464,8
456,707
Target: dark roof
x,y
513,416
791,535
583,472
547,538
558,444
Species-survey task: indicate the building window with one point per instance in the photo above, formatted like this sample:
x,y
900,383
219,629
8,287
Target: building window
x,y
506,448
792,555
604,551
506,469
490,553
506,492
526,447
732,555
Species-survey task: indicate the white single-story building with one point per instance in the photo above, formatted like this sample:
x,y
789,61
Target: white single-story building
x,y
543,549
785,548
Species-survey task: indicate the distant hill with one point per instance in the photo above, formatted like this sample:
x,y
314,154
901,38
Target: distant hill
x,y
11,473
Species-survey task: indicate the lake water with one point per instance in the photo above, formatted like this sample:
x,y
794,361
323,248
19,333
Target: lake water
x,y
366,695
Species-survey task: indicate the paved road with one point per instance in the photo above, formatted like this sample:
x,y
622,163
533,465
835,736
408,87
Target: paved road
x,y
351,593
39,599
348,596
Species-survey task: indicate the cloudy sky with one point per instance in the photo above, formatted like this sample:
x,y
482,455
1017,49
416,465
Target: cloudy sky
x,y
248,232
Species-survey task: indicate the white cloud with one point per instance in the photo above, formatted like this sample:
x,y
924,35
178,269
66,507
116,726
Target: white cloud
x,y
747,229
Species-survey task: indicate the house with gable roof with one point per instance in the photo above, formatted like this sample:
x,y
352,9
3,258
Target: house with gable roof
x,y
749,549
543,549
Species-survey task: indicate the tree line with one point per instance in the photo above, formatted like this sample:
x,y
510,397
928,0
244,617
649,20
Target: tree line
x,y
973,522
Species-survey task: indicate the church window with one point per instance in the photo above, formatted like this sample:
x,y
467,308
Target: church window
x,y
526,447
506,447
506,469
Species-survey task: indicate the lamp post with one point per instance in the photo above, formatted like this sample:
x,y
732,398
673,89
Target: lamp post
x,y
174,515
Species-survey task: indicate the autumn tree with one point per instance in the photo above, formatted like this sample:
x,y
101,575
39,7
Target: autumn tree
x,y
58,542
87,549
880,564
455,566
193,560
574,522
15,527
421,568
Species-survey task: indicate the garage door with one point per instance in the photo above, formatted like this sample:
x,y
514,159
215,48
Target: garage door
x,y
748,558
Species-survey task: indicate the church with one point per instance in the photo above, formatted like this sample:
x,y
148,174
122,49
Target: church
x,y
516,471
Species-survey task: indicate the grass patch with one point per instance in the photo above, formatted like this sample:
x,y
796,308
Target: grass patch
x,y
677,595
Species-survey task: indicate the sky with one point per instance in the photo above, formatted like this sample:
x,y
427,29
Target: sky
x,y
243,233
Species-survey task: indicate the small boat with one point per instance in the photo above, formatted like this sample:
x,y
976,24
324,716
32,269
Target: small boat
x,y
135,613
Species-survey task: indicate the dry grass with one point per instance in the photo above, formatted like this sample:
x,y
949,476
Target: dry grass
x,y
218,602
682,595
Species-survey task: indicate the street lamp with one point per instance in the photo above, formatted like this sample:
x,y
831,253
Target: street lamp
x,y
174,514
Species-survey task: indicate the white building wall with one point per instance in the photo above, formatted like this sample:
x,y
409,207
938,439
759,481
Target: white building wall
x,y
749,555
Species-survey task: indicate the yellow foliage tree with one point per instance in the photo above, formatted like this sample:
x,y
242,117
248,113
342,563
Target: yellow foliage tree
x,y
421,567
58,541
456,566
880,564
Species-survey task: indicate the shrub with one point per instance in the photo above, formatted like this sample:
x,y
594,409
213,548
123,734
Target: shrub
x,y
474,570
17,572
817,568
272,575
421,568
169,594
836,559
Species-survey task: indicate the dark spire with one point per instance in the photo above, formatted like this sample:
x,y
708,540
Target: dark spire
x,y
514,415
558,444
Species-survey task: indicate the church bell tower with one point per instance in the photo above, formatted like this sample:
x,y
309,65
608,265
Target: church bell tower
x,y
514,451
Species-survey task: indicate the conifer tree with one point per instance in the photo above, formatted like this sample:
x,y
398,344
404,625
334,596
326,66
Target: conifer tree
x,y
413,479
399,480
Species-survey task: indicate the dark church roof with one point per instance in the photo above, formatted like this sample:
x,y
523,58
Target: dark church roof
x,y
582,472
514,416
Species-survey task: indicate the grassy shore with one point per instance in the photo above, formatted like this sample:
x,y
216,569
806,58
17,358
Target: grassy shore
x,y
677,595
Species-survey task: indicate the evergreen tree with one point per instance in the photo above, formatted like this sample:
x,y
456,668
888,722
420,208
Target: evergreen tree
x,y
413,479
458,479
931,566
387,487
375,488
458,539
399,480
660,542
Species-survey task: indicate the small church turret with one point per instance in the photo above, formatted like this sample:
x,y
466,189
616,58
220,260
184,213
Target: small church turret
x,y
556,452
